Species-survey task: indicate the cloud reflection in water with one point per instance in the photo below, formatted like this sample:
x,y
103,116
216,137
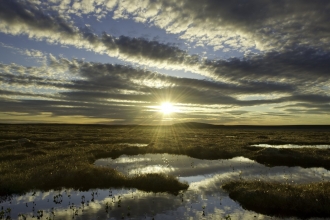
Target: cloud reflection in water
x,y
204,176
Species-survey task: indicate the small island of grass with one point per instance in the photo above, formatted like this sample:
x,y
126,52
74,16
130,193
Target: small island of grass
x,y
282,199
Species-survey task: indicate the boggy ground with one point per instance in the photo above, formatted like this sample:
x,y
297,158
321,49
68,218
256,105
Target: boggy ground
x,y
63,155
282,200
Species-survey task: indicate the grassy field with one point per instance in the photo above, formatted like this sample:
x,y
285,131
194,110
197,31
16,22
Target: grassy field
x,y
282,200
62,155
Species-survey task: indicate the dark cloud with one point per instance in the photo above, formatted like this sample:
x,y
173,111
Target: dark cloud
x,y
276,24
108,79
8,93
237,24
19,17
108,76
237,87
99,82
311,98
306,108
124,92
23,13
65,108
143,48
270,24
292,61
294,67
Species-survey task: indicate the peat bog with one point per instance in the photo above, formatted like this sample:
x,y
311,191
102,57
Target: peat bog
x,y
54,157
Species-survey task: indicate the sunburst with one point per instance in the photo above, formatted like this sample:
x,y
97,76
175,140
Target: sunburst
x,y
167,108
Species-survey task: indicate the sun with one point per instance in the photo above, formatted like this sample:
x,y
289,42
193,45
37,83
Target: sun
x,y
166,108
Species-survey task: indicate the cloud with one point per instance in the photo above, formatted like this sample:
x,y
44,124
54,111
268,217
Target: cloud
x,y
18,18
112,78
239,24
304,68
290,64
117,91
30,53
11,94
104,76
234,24
306,109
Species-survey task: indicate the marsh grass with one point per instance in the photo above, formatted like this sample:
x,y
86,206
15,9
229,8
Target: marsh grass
x,y
38,173
282,200
63,155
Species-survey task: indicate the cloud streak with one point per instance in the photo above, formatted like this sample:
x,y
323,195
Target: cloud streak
x,y
18,18
118,92
235,24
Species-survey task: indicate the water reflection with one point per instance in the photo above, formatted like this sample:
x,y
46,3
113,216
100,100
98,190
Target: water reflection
x,y
195,170
127,204
319,146
204,199
134,145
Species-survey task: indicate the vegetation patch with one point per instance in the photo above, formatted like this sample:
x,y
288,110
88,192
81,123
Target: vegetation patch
x,y
85,178
303,157
282,200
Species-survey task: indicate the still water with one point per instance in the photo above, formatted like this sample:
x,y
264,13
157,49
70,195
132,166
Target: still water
x,y
205,199
318,146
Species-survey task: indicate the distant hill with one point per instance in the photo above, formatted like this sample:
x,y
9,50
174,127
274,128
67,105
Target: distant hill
x,y
195,125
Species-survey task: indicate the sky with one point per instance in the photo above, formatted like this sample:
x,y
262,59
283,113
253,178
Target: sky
x,y
231,62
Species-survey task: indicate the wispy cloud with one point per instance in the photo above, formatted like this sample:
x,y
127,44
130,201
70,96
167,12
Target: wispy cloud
x,y
106,87
236,24
29,53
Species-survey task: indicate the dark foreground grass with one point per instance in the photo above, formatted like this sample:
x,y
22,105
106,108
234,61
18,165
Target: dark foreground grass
x,y
282,200
63,155
85,179
72,169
